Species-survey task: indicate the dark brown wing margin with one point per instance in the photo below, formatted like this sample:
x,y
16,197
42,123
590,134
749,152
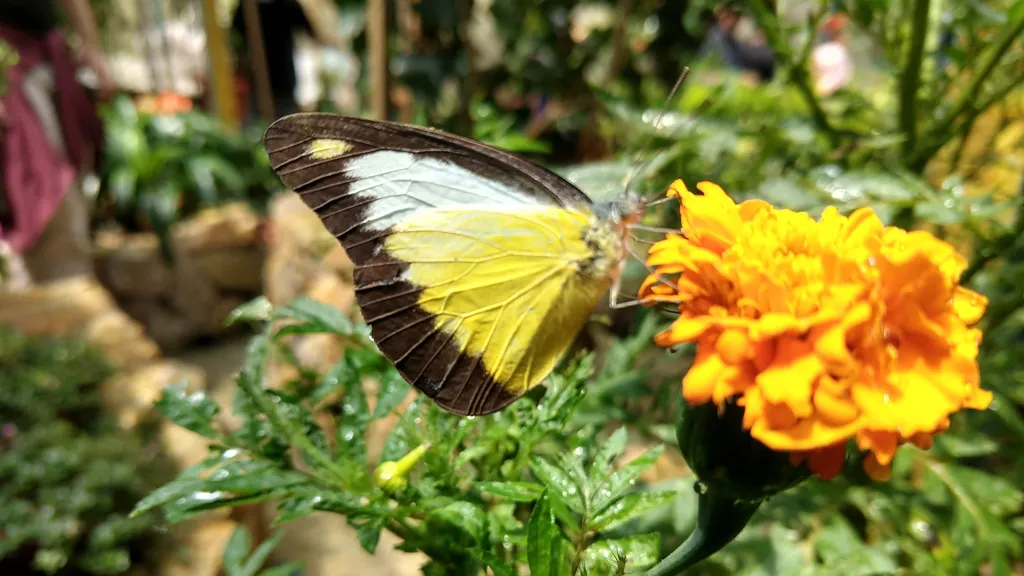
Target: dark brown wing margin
x,y
427,357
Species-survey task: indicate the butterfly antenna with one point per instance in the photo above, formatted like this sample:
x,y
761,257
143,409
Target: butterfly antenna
x,y
657,121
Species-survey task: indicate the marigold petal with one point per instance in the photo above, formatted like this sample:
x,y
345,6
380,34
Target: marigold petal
x,y
876,470
734,346
969,305
790,377
833,409
699,383
882,444
827,463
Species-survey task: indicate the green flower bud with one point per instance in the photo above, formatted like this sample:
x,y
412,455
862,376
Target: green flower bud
x,y
391,476
735,473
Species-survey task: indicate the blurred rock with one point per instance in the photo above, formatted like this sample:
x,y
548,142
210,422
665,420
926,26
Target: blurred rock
x,y
203,542
218,260
78,307
130,395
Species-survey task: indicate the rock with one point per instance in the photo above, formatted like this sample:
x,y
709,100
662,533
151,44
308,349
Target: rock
x,y
130,395
235,269
232,225
204,542
218,258
78,307
130,265
169,328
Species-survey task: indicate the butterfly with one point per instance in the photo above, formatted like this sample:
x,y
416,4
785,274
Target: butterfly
x,y
475,269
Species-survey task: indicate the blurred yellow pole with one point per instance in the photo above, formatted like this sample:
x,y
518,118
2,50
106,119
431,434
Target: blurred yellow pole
x,y
222,78
377,46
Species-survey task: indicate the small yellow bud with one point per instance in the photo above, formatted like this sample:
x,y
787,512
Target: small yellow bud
x,y
391,476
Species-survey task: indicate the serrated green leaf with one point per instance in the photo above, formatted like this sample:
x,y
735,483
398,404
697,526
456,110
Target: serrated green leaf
x,y
368,534
517,491
355,418
558,481
194,411
544,544
620,480
393,390
639,551
609,451
256,310
498,566
318,316
170,491
630,506
470,518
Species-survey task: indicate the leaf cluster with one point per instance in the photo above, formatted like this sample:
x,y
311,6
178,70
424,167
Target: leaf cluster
x,y
68,476
532,485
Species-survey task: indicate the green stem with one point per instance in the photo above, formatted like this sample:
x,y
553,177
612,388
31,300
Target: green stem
x,y
910,78
1008,36
769,24
719,521
252,384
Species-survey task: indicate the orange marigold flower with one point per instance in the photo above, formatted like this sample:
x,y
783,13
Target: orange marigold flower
x,y
822,330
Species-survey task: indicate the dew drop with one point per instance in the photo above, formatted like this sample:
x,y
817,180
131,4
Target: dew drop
x,y
700,487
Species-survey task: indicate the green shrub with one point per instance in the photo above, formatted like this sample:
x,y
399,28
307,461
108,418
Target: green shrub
x,y
68,475
159,169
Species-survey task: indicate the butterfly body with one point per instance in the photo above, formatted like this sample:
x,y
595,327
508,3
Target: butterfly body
x,y
474,269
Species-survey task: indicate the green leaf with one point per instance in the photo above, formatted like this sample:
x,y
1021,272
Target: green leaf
x,y
544,544
470,518
639,551
630,506
258,309
314,316
194,411
497,565
393,390
170,491
237,549
609,451
557,480
355,417
368,534
842,550
249,477
517,491
261,554
620,480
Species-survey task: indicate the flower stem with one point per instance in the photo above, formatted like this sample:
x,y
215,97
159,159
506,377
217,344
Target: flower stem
x,y
719,520
968,98
910,77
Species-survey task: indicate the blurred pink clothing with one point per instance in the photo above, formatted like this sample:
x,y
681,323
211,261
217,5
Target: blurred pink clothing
x,y
45,142
832,67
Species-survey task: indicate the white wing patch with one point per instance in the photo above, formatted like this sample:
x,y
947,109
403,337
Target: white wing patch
x,y
397,184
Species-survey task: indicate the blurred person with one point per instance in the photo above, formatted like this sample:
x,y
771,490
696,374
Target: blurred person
x,y
740,51
279,21
50,137
831,65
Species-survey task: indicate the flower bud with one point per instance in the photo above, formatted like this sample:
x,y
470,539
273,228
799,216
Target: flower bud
x,y
391,476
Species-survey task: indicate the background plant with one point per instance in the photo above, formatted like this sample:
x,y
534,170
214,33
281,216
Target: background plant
x,y
68,475
158,169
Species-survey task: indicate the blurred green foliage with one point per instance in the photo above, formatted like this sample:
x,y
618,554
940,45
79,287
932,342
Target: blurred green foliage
x,y
158,169
68,475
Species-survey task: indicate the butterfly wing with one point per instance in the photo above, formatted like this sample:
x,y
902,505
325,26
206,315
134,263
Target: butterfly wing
x,y
467,258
